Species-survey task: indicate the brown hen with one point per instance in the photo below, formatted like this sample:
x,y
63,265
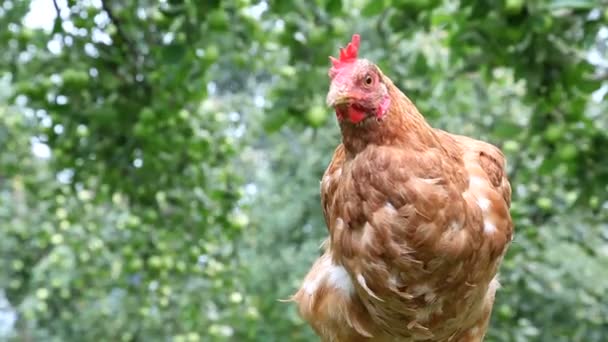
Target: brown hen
x,y
418,221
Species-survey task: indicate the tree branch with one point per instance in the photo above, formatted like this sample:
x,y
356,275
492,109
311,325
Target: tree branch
x,y
129,51
57,9
121,34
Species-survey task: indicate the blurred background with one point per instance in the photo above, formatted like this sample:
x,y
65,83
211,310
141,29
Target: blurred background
x,y
160,160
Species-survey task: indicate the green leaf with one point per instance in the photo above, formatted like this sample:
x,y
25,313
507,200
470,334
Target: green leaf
x,y
333,6
373,8
275,122
174,53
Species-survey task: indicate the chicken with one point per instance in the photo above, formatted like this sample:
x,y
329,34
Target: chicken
x,y
418,221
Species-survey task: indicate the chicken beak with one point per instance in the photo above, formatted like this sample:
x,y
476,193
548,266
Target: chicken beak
x,y
337,96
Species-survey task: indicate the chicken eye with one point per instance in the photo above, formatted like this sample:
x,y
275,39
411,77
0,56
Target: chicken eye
x,y
368,80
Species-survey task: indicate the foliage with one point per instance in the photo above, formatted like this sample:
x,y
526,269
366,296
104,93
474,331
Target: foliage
x,y
180,197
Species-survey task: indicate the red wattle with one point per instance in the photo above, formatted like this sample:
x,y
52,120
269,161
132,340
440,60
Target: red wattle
x,y
355,115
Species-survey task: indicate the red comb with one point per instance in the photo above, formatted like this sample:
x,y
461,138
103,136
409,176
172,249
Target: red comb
x,y
347,54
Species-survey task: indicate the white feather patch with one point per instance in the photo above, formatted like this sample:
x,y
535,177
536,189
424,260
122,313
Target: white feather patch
x,y
475,181
483,203
339,279
390,208
332,275
488,226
